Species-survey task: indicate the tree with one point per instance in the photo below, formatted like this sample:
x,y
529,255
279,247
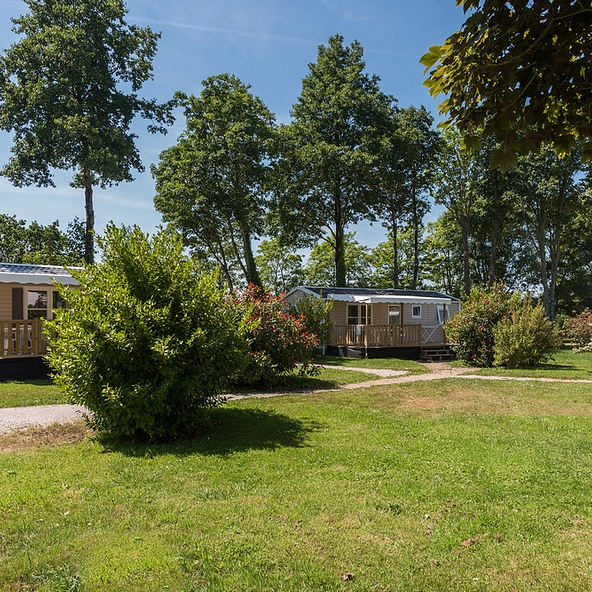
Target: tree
x,y
43,245
280,268
320,268
455,189
331,147
405,166
521,71
60,95
212,184
548,194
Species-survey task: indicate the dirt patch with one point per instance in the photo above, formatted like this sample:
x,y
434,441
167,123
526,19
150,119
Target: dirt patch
x,y
43,437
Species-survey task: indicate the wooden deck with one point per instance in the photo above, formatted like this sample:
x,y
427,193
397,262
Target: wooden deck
x,y
21,338
376,336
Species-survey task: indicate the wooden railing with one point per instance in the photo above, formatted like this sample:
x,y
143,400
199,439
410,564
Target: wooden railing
x,y
376,335
22,338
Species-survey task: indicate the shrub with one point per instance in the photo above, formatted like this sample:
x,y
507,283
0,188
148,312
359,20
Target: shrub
x,y
578,330
279,341
525,337
470,331
149,343
316,314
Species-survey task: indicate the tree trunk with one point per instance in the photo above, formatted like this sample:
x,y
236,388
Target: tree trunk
x,y
494,232
340,269
394,231
466,259
415,238
252,273
89,239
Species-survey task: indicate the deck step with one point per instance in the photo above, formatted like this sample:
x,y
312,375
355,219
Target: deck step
x,y
436,354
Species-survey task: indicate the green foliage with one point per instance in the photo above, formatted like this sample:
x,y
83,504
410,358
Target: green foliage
x,y
316,314
471,331
279,267
149,344
578,330
519,71
320,267
42,245
279,342
525,337
60,95
326,177
212,184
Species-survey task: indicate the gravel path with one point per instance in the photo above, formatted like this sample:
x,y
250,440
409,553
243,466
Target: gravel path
x,y
18,418
13,419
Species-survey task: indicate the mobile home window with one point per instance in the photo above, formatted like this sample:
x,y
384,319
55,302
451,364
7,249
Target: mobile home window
x,y
394,315
442,313
352,314
58,301
36,304
416,312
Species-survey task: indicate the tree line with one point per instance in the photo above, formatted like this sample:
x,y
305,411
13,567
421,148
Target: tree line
x,y
351,154
247,194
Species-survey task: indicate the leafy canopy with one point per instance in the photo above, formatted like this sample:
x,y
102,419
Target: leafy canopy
x,y
518,70
60,94
331,148
211,185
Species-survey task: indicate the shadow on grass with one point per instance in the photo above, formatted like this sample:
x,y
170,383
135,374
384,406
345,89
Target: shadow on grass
x,y
233,430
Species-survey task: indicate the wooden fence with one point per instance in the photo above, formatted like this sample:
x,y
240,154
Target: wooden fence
x,y
22,338
376,335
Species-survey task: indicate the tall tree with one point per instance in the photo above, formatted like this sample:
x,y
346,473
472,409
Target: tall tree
x,y
331,148
549,194
60,94
211,185
521,71
455,189
320,268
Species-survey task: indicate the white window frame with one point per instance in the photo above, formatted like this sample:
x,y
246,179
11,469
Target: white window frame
x,y
442,316
415,307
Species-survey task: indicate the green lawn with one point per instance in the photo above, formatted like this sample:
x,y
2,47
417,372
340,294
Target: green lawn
x,y
565,365
410,366
44,392
450,485
30,392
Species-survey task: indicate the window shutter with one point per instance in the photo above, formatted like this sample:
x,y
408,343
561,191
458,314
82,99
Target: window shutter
x,y
17,303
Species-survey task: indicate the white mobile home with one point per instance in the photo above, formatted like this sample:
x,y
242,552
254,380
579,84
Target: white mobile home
x,y
383,322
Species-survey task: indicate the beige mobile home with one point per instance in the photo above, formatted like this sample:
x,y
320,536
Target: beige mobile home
x,y
27,295
380,323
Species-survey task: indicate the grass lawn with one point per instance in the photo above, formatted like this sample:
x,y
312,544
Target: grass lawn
x,y
410,366
44,392
30,392
450,485
565,365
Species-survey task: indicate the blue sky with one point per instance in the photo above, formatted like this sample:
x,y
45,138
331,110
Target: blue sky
x,y
267,44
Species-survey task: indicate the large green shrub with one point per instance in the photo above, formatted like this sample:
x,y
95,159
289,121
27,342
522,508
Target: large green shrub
x,y
470,331
279,341
150,342
525,337
316,314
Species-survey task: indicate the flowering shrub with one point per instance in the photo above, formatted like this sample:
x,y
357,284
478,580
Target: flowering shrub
x,y
525,337
578,330
471,330
279,342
